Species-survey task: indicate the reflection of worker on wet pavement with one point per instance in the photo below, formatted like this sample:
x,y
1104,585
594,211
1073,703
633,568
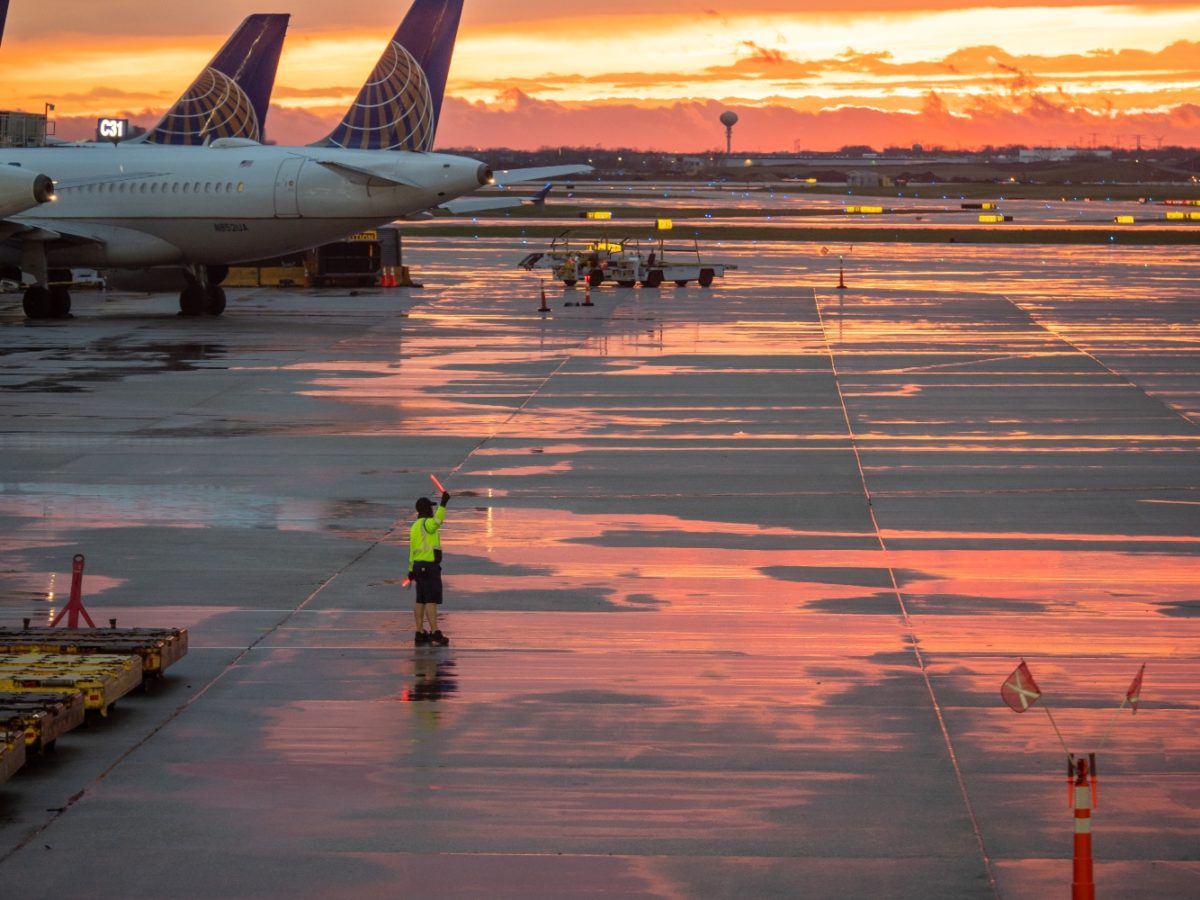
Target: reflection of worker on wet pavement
x,y
425,568
433,679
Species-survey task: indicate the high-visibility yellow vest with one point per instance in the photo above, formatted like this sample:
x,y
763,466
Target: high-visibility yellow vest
x,y
423,537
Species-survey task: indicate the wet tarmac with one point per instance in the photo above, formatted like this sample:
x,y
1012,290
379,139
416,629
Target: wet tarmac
x,y
734,576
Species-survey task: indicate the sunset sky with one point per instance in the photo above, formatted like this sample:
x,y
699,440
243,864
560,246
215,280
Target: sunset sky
x,y
655,75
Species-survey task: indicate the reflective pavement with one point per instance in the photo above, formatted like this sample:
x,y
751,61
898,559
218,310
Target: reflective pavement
x,y
734,577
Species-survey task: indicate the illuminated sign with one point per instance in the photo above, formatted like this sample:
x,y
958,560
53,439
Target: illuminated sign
x,y
1123,220
874,210
995,218
364,236
599,214
112,129
665,224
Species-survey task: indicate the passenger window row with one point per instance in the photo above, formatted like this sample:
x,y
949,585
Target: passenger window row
x,y
164,187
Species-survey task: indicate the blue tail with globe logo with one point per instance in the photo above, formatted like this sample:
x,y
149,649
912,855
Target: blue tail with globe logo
x,y
229,99
398,107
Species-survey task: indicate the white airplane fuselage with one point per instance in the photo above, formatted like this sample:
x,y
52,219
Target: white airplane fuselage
x,y
232,202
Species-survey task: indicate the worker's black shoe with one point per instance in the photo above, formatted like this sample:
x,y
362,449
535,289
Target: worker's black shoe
x,y
439,640
420,638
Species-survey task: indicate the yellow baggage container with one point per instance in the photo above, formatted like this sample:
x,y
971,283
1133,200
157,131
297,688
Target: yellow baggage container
x,y
158,647
12,753
101,679
42,718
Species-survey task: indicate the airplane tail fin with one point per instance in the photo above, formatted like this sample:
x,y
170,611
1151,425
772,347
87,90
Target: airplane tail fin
x,y
399,106
3,17
230,96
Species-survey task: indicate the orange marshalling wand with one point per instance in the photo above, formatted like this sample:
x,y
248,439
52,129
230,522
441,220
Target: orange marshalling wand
x,y
437,484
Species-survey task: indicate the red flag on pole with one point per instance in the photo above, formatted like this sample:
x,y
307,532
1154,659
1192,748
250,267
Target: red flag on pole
x,y
1020,691
1135,689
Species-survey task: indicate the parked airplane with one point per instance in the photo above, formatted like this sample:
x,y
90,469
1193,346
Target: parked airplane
x,y
234,200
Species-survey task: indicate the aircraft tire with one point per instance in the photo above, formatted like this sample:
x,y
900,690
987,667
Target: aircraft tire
x,y
60,302
680,282
37,302
216,300
193,300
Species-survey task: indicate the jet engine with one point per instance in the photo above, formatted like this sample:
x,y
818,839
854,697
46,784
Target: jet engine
x,y
21,189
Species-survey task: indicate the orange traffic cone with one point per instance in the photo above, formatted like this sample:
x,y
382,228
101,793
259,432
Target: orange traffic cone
x,y
543,307
587,291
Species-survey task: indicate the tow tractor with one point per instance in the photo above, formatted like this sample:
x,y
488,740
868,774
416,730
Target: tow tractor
x,y
626,263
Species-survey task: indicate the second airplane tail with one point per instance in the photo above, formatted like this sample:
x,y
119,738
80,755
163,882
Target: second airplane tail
x,y
231,95
399,106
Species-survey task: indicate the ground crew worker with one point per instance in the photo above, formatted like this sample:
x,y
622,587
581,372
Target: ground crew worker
x,y
425,568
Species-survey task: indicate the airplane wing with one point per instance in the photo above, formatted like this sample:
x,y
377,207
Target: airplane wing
x,y
469,205
156,250
502,177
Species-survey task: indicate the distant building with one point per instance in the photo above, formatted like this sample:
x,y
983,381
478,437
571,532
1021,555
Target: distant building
x,y
1058,154
19,129
867,178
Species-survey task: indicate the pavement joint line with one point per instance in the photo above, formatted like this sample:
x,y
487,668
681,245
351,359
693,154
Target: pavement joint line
x,y
1050,329
914,641
568,352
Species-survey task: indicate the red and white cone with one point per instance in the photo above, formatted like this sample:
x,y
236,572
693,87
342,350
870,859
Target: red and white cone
x,y
543,307
587,291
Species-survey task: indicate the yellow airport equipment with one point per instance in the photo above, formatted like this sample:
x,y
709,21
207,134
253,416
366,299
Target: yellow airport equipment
x,y
42,718
101,679
12,753
605,246
157,647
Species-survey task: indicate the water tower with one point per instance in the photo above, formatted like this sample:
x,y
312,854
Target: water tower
x,y
728,119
